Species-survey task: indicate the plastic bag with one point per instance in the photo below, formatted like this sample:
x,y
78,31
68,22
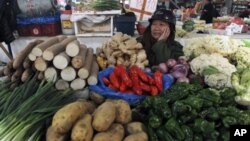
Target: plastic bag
x,y
132,99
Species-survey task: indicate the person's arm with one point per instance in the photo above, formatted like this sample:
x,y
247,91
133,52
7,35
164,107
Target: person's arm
x,y
177,50
161,51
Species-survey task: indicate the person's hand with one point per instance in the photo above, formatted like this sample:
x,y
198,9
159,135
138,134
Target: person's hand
x,y
164,35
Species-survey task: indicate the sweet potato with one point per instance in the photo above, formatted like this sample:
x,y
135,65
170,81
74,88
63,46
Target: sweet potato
x,y
114,133
123,111
83,130
104,116
141,136
66,117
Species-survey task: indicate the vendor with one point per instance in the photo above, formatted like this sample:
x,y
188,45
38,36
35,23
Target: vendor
x,y
208,12
159,38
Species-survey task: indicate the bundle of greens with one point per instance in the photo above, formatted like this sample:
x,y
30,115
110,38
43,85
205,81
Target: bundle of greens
x,y
25,110
103,5
189,112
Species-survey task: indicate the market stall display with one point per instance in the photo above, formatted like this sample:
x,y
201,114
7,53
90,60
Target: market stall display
x,y
59,89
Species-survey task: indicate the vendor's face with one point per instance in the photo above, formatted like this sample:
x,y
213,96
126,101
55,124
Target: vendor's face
x,y
158,27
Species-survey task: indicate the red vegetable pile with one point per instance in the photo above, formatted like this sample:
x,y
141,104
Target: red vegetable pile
x,y
134,81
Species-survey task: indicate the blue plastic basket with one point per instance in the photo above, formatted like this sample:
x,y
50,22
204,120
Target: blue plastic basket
x,y
132,99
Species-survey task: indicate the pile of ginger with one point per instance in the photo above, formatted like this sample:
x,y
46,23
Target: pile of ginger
x,y
121,49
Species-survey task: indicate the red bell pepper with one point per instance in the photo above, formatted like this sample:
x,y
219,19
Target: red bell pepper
x,y
123,87
145,87
106,81
114,80
135,80
158,80
141,74
154,90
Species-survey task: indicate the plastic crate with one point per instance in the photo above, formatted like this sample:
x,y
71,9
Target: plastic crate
x,y
49,29
47,25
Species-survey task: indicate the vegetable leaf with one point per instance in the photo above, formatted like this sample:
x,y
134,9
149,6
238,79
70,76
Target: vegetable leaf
x,y
209,70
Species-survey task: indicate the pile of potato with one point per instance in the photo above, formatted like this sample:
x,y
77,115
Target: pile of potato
x,y
84,121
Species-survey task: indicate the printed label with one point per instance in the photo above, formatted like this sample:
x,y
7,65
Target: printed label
x,y
239,132
67,24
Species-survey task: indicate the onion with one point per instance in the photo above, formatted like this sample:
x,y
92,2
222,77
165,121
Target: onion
x,y
183,79
171,63
163,68
179,70
182,60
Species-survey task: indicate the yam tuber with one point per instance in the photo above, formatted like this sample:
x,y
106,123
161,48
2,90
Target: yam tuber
x,y
26,74
6,71
26,63
78,84
38,49
40,64
18,72
72,48
66,117
32,57
85,70
61,84
61,60
57,48
68,74
25,52
10,64
40,75
79,60
50,74
92,79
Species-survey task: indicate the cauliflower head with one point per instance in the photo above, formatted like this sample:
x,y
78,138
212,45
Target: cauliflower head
x,y
242,57
223,45
220,79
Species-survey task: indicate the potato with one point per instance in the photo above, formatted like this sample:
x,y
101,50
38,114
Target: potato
x,y
104,116
83,130
123,111
114,133
141,136
135,127
96,98
52,135
65,118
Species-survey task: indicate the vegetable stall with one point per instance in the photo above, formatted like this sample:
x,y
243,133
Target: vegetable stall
x,y
59,89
